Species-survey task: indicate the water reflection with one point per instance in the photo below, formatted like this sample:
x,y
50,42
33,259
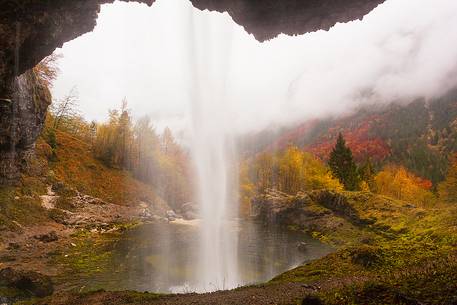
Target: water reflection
x,y
162,257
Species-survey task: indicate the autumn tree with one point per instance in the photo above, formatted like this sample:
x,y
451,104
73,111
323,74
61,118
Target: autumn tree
x,y
147,147
124,137
397,182
152,158
447,189
289,171
65,109
343,166
265,173
367,175
174,186
246,189
114,139
317,176
47,70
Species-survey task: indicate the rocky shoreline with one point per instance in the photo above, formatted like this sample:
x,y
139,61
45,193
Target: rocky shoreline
x,y
28,254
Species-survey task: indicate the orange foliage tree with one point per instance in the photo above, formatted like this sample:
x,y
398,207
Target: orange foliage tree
x,y
397,182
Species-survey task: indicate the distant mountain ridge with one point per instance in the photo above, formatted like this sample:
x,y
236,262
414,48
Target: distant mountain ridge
x,y
420,135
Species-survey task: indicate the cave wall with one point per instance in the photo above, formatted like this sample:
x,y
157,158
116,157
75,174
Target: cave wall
x,y
32,29
21,120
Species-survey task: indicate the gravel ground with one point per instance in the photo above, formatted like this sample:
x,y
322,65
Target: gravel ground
x,y
274,294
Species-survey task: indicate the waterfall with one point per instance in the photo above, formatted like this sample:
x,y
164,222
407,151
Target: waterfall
x,y
213,154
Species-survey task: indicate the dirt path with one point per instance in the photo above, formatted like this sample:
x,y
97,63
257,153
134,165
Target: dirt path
x,y
275,294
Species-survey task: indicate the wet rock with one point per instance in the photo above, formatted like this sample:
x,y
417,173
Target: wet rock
x,y
171,215
302,246
190,215
145,213
48,237
277,207
31,282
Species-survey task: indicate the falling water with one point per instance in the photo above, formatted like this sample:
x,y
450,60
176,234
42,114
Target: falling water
x,y
212,150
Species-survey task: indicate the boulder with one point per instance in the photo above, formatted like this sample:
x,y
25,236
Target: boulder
x,y
171,215
145,213
32,282
190,215
189,207
302,246
47,237
276,207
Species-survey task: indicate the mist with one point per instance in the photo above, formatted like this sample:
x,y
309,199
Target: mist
x,y
396,53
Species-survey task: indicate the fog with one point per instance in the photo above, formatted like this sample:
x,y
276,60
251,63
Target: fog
x,y
401,50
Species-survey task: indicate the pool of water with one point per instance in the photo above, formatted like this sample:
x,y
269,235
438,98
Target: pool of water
x,y
161,257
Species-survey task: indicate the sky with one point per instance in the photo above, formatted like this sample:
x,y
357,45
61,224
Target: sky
x,y
163,58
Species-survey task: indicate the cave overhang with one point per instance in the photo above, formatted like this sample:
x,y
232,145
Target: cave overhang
x,y
32,29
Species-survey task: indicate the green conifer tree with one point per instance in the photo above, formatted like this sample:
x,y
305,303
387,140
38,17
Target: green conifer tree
x,y
342,165
447,189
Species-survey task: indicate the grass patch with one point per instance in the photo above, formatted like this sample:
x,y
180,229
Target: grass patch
x,y
20,207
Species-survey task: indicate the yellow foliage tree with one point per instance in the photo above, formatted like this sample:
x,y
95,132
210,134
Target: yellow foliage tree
x,y
317,176
247,190
397,182
264,175
290,171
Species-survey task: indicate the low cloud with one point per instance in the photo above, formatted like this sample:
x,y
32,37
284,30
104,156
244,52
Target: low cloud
x,y
402,50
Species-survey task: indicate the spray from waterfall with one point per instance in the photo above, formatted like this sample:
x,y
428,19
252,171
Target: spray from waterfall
x,y
213,154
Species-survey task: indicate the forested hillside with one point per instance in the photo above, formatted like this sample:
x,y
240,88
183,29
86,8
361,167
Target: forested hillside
x,y
81,150
420,136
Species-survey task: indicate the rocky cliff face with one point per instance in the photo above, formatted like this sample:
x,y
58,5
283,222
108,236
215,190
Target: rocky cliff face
x,y
318,210
266,19
21,121
32,29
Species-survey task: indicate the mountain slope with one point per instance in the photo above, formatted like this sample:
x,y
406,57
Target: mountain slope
x,y
73,164
419,135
